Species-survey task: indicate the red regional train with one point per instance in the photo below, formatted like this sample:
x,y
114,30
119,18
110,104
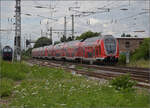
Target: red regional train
x,y
101,49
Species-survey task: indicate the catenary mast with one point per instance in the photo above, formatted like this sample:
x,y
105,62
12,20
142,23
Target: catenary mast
x,y
17,43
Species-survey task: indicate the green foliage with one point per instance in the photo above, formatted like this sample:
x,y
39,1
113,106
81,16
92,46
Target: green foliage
x,y
73,91
45,73
27,53
123,82
122,59
56,42
64,39
123,35
88,34
43,41
126,35
140,63
70,39
51,87
14,71
6,86
143,52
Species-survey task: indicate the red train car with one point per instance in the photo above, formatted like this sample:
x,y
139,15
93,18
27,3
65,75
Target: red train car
x,y
96,49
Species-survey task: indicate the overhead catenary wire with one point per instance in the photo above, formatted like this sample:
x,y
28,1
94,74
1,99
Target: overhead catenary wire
x,y
110,4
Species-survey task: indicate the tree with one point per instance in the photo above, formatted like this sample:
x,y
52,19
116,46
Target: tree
x,y
27,53
123,35
56,42
143,51
126,35
43,41
88,34
70,39
135,36
63,39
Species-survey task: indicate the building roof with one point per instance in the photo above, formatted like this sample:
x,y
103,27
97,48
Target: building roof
x,y
130,38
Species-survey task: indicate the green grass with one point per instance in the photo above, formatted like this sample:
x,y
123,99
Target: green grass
x,y
51,87
24,57
74,93
6,86
79,67
140,63
14,71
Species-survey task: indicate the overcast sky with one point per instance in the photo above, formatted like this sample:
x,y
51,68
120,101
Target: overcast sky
x,y
123,17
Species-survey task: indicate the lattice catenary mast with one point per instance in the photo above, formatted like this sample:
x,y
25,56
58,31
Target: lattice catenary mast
x,y
17,43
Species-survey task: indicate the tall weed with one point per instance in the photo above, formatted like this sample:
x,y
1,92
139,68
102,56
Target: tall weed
x,y
6,87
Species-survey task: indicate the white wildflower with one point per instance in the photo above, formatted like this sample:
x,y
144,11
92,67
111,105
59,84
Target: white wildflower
x,y
34,93
59,85
62,104
17,86
16,91
110,86
88,86
23,90
46,88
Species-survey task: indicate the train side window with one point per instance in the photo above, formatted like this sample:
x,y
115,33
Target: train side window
x,y
127,44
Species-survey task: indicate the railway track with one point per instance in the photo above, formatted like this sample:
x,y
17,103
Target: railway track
x,y
141,75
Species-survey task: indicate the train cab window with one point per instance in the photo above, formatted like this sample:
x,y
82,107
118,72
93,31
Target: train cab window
x,y
9,50
127,44
5,50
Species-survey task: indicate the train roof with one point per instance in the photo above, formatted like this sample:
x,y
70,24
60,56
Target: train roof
x,y
7,47
72,42
92,39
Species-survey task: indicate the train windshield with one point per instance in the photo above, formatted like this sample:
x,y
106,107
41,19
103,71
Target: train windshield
x,y
7,50
110,45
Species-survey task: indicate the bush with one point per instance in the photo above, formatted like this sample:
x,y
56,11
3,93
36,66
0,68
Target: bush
x,y
122,59
140,63
143,52
6,86
42,41
88,34
123,82
27,53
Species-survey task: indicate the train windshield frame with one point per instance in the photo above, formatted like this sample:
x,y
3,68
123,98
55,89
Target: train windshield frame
x,y
110,44
7,50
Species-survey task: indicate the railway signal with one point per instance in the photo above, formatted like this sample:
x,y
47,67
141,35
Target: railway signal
x,y
27,42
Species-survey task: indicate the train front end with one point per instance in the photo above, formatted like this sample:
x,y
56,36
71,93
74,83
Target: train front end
x,y
7,53
110,49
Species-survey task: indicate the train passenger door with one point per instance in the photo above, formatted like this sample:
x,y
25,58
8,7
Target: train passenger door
x,y
46,52
89,51
97,51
